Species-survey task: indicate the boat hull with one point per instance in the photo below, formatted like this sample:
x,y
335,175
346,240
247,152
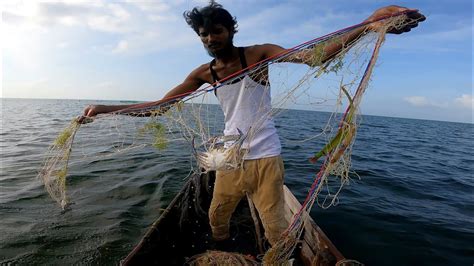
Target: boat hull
x,y
183,231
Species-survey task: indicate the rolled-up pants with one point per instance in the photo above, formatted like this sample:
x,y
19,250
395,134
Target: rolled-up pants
x,y
262,180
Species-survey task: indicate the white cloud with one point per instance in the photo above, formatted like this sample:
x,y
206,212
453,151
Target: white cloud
x,y
439,38
107,24
95,15
260,27
153,41
465,101
417,100
421,101
141,26
157,11
149,26
119,11
62,45
69,21
448,28
122,47
111,18
150,7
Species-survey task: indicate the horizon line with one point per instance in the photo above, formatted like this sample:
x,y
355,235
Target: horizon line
x,y
102,100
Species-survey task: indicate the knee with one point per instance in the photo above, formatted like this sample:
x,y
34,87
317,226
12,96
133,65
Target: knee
x,y
274,224
274,230
219,220
213,214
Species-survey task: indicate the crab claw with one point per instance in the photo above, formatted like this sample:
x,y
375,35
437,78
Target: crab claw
x,y
241,138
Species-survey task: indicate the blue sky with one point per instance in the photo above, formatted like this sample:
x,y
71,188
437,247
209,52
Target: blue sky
x,y
138,50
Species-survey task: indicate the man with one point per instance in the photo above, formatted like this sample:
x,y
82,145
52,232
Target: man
x,y
261,176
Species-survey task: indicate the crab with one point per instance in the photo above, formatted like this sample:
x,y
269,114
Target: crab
x,y
221,153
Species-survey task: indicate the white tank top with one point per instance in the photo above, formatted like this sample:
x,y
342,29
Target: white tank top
x,y
247,106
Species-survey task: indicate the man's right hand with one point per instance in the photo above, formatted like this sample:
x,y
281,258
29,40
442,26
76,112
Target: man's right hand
x,y
91,111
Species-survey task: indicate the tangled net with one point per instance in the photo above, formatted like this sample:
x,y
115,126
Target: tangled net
x,y
337,157
193,119
54,172
217,258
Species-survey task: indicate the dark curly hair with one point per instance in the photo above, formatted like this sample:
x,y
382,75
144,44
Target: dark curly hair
x,y
210,15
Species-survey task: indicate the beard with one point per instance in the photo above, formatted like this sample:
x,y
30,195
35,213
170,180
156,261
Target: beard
x,y
222,52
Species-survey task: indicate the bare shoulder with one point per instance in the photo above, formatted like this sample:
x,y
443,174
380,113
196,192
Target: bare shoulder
x,y
201,74
201,69
192,82
264,51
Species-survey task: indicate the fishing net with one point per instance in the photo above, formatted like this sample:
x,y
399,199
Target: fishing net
x,y
193,123
54,172
337,153
216,258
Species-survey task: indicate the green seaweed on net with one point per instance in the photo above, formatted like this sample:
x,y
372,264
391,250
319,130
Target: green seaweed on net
x,y
63,138
179,106
344,135
158,131
55,168
163,110
318,55
61,176
334,64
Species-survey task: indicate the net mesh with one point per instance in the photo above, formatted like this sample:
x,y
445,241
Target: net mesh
x,y
215,258
337,152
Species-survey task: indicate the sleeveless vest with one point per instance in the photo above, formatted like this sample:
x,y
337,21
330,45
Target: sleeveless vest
x,y
247,106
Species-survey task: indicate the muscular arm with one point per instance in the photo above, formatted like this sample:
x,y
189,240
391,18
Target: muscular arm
x,y
192,82
331,49
309,56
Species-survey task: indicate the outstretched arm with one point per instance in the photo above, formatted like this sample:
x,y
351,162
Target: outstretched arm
x,y
329,50
190,84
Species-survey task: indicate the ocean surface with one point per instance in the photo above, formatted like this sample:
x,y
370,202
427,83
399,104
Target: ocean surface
x,y
413,204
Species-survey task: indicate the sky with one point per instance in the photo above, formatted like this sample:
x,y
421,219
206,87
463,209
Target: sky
x,y
138,50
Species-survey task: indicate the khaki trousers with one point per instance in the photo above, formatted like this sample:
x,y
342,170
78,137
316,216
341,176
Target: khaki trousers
x,y
262,180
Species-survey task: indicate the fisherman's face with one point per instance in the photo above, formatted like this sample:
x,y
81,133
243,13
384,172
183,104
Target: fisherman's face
x,y
217,40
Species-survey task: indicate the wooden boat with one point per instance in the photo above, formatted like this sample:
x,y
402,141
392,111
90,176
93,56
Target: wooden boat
x,y
183,231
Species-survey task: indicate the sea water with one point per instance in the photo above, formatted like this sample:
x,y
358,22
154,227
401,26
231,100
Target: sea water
x,y
413,204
